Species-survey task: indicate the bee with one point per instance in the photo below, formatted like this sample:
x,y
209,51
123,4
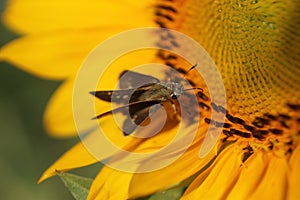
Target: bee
x,y
141,95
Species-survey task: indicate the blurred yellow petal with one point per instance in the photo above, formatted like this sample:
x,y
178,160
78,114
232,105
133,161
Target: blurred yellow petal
x,y
33,16
58,117
55,55
294,175
220,180
78,156
110,184
250,177
273,185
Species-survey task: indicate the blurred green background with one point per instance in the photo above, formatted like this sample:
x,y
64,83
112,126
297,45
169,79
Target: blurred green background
x,y
25,149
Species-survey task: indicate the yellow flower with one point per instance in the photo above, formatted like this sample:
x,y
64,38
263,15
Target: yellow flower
x,y
255,45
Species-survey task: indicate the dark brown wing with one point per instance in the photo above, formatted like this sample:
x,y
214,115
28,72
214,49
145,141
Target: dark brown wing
x,y
115,96
131,79
138,113
123,96
132,85
140,116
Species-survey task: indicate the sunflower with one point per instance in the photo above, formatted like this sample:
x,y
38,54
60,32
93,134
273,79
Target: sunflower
x,y
255,45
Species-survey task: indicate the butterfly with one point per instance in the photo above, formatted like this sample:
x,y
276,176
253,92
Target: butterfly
x,y
139,97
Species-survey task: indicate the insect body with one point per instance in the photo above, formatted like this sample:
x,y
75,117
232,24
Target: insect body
x,y
141,95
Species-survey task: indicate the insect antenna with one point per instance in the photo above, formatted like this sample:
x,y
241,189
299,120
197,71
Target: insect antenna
x,y
193,67
193,89
186,73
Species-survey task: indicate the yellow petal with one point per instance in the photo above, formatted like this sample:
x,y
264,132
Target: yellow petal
x,y
76,157
39,16
294,175
58,117
273,184
148,183
220,180
113,184
99,149
250,177
110,184
90,150
55,55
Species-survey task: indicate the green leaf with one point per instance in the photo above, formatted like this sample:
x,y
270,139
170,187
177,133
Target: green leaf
x,y
79,186
171,194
